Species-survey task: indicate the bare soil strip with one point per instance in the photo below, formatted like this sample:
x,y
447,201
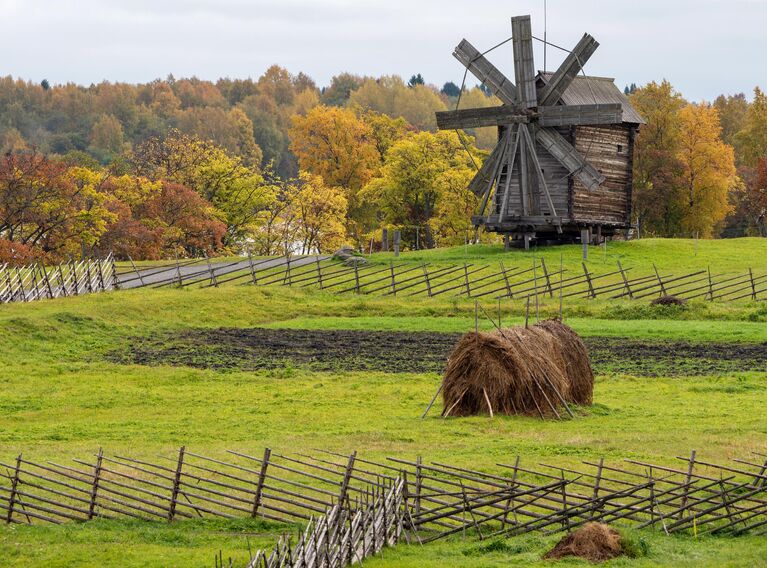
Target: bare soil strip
x,y
413,352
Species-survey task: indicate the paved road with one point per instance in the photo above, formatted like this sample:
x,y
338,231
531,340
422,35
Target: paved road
x,y
200,270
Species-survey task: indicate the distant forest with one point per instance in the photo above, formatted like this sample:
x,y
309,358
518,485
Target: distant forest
x,y
182,166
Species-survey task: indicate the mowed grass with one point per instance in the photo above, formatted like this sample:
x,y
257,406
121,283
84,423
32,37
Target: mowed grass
x,y
674,255
60,399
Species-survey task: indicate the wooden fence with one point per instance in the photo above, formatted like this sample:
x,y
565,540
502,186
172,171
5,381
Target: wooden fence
x,y
537,281
352,506
36,282
457,280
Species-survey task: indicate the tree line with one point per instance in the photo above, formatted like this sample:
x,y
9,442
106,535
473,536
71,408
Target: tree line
x,y
277,164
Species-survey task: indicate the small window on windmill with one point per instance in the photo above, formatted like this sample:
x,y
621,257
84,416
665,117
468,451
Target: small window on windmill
x,y
620,148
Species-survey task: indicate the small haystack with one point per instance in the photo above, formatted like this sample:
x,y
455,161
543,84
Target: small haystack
x,y
668,301
532,371
595,542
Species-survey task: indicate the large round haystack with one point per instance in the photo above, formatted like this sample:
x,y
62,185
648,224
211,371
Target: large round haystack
x,y
530,371
596,542
577,364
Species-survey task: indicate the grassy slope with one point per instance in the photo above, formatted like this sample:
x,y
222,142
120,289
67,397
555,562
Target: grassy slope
x,y
58,399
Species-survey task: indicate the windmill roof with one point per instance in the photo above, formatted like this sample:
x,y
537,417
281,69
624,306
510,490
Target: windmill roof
x,y
597,90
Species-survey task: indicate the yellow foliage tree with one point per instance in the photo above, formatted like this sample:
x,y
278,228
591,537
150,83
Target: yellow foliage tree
x,y
320,213
392,97
423,185
336,145
708,170
107,135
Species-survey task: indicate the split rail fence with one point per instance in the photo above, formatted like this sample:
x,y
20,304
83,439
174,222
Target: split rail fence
x,y
467,280
395,279
36,282
352,507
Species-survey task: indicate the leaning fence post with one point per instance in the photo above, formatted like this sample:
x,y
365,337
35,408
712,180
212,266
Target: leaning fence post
x,y
688,480
95,487
213,281
319,272
136,270
100,275
261,480
625,281
592,293
178,270
14,490
547,277
710,285
115,280
252,269
660,280
466,278
356,277
347,478
176,484
753,284
426,278
418,484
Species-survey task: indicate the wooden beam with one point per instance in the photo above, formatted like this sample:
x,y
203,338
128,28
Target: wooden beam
x,y
486,72
509,171
569,69
524,65
479,117
537,167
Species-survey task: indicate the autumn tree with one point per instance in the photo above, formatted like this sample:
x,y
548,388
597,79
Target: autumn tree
x,y
336,145
707,171
391,96
656,161
422,184
48,205
235,190
340,89
732,115
751,141
107,135
320,214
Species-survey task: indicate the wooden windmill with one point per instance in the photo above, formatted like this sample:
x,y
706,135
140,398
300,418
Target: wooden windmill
x,y
530,183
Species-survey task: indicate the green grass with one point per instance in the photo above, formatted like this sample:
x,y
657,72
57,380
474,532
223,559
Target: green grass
x,y
723,255
59,399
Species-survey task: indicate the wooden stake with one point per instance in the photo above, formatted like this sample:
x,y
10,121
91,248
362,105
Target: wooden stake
x,y
176,484
527,312
433,399
95,486
261,480
487,400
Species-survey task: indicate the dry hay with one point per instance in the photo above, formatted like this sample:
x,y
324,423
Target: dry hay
x,y
668,301
596,542
526,371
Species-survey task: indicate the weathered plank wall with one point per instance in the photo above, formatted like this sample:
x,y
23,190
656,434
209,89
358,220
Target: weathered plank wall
x,y
608,148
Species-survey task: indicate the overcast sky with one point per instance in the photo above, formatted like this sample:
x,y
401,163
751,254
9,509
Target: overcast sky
x,y
704,47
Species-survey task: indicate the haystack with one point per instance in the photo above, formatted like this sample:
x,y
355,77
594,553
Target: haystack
x,y
526,371
596,542
668,301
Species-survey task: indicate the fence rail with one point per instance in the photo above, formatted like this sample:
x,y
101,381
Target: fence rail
x,y
351,506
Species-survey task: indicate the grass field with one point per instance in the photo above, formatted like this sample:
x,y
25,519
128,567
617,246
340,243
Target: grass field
x,y
61,398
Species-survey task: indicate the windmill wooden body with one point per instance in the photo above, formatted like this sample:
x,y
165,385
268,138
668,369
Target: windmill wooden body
x,y
562,168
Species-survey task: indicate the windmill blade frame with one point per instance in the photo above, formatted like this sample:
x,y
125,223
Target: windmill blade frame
x,y
524,63
571,66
